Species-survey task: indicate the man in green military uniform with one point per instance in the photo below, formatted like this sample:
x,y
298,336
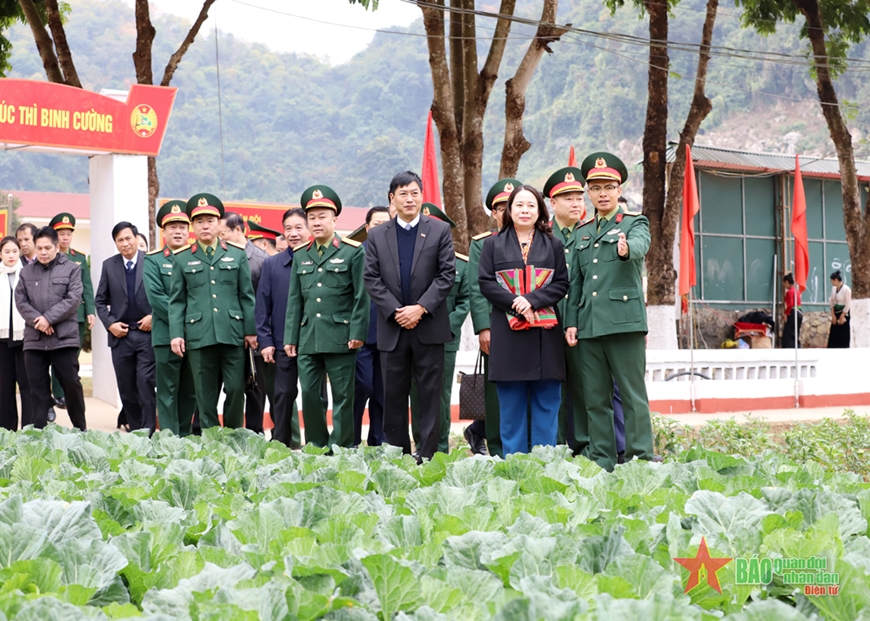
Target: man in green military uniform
x,y
327,318
481,312
65,224
211,313
458,305
606,314
176,396
564,188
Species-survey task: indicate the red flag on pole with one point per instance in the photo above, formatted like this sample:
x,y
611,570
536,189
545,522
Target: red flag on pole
x,y
431,187
691,207
799,229
572,161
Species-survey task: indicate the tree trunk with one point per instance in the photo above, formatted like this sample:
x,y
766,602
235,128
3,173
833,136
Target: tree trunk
x,y
445,121
660,262
515,143
144,41
855,220
457,73
44,45
64,56
478,88
654,150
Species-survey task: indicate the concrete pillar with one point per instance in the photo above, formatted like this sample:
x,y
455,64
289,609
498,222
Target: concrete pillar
x,y
119,191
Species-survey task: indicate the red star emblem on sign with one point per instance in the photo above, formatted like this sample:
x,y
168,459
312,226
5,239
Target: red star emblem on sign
x,y
710,565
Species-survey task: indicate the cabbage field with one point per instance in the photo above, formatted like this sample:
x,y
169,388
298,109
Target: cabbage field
x,y
229,526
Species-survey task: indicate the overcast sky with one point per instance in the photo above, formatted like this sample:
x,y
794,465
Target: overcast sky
x,y
283,28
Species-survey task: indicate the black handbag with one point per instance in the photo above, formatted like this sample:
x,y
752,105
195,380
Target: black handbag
x,y
472,389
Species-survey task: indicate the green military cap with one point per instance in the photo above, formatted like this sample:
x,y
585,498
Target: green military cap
x,y
63,221
320,196
603,166
205,205
172,211
568,179
500,192
258,231
360,234
430,209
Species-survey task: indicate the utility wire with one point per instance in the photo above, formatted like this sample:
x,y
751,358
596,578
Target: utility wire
x,y
217,61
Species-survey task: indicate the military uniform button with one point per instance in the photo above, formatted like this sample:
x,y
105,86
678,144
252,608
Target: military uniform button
x,y
212,282
214,295
215,310
567,251
191,321
595,246
318,315
566,297
595,260
319,269
237,316
345,321
595,277
336,269
318,299
169,273
594,293
320,284
625,298
211,268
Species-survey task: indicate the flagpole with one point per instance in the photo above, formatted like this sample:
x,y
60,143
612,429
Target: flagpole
x,y
797,344
773,308
692,349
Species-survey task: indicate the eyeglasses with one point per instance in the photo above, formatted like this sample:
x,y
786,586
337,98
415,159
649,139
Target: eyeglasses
x,y
498,209
597,189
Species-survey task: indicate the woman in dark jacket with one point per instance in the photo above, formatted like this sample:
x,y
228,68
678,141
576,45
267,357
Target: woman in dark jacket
x,y
527,362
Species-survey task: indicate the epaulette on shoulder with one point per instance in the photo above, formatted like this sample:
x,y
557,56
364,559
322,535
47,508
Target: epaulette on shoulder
x,y
482,235
74,253
585,223
155,251
300,246
182,249
351,242
461,257
232,243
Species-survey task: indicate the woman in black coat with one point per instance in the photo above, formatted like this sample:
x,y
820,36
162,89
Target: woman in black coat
x,y
527,365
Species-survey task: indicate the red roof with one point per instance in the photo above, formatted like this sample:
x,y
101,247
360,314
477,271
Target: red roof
x,y
49,204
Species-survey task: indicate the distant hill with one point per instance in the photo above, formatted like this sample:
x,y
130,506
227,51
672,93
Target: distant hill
x,y
291,120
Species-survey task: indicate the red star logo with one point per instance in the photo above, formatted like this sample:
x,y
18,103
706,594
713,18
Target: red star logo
x,y
710,565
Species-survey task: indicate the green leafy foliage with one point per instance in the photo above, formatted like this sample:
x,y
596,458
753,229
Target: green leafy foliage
x,y
229,526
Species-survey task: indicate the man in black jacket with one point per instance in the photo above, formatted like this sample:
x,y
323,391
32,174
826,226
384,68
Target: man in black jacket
x,y
48,295
410,269
123,307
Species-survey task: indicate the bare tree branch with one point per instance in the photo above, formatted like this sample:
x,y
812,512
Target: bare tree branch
x,y
61,45
515,143
144,42
44,44
175,59
489,73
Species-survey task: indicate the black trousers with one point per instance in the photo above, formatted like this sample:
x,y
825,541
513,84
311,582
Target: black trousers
x,y
369,389
65,362
788,341
133,359
255,398
425,363
12,372
286,388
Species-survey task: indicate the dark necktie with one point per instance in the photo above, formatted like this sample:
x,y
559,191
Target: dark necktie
x,y
209,250
566,232
319,251
129,265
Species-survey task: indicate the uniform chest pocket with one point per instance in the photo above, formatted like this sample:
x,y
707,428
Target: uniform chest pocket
x,y
229,273
336,275
194,275
306,275
582,251
609,248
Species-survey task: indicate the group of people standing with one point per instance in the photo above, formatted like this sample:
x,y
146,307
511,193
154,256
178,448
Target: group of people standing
x,y
557,306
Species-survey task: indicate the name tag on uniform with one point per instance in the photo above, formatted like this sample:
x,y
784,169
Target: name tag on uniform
x,y
227,259
613,232
585,237
336,260
194,262
308,263
167,265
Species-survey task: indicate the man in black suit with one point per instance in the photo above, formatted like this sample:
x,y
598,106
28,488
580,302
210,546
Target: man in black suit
x,y
122,306
410,269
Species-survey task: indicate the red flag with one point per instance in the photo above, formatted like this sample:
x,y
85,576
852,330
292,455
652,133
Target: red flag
x,y
691,207
572,161
431,187
799,229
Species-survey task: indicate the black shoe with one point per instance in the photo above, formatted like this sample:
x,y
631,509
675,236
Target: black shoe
x,y
476,443
620,458
60,403
52,415
658,458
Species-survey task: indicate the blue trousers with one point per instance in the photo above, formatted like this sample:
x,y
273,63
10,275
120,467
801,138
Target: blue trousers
x,y
528,405
369,389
